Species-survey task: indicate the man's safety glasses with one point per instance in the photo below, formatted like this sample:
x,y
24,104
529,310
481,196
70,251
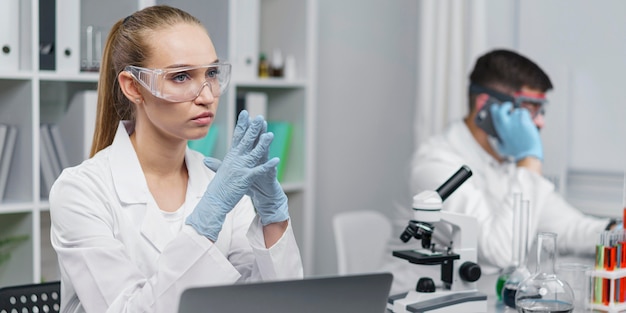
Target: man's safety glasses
x,y
534,103
183,83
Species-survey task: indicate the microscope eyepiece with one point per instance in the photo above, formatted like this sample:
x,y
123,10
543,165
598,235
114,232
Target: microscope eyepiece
x,y
454,182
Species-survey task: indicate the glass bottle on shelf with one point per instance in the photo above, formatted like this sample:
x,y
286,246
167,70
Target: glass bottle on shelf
x,y
264,66
521,220
544,291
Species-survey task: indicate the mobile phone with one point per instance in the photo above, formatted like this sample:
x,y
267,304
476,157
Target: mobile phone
x,y
484,119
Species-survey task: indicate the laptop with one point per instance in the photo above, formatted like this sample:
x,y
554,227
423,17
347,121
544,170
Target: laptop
x,y
363,293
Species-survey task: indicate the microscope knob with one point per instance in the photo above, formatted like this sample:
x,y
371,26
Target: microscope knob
x,y
425,284
470,271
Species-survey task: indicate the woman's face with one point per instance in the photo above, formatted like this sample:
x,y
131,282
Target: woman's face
x,y
180,46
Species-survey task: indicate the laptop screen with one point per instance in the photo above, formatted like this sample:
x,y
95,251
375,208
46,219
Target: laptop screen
x,y
363,293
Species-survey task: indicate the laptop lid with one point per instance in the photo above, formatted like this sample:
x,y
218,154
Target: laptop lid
x,y
363,293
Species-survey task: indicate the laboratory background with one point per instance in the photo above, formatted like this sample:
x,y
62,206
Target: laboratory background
x,y
371,80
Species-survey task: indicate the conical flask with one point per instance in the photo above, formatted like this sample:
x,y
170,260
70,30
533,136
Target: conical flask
x,y
543,291
520,252
514,262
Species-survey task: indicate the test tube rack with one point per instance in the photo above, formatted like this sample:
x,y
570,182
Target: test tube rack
x,y
608,278
613,299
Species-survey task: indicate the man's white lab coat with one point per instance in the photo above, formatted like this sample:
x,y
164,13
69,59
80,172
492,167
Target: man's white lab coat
x,y
117,254
487,196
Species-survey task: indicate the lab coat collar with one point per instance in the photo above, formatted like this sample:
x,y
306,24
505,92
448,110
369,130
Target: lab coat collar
x,y
460,136
128,178
132,188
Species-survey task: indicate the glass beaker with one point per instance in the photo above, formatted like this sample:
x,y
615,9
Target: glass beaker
x,y
505,272
521,220
544,291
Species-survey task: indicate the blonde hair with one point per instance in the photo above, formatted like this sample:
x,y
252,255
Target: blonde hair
x,y
127,45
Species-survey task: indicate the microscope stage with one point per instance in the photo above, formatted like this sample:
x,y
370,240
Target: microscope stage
x,y
416,257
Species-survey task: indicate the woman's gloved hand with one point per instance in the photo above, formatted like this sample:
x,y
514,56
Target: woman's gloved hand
x,y
267,195
519,136
240,167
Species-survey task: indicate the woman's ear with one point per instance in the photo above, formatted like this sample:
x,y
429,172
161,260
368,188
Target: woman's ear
x,y
129,87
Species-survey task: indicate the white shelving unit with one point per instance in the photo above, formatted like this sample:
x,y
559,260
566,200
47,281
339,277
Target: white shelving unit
x,y
30,97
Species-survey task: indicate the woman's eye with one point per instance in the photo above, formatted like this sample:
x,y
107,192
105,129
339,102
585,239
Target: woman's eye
x,y
180,77
212,73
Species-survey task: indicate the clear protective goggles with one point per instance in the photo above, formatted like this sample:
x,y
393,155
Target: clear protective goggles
x,y
183,83
535,103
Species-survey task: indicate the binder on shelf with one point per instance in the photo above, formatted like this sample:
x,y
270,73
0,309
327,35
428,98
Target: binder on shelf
x,y
254,102
47,33
205,145
50,168
77,126
281,144
3,135
67,49
6,156
247,25
46,139
59,147
10,35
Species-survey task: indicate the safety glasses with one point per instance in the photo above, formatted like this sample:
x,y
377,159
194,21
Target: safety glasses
x,y
533,102
182,83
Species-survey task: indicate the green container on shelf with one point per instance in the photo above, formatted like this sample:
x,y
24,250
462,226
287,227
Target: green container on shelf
x,y
281,144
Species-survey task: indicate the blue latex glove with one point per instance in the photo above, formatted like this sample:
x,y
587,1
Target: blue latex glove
x,y
267,195
241,166
519,136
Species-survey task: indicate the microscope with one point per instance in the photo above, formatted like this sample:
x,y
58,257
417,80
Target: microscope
x,y
459,270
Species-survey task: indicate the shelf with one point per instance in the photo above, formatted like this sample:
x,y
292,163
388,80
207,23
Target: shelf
x,y
16,207
271,83
19,75
292,187
79,77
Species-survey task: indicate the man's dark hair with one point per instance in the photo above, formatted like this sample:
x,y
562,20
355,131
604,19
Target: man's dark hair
x,y
505,69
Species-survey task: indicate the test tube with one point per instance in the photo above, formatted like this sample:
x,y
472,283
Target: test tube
x,y
624,203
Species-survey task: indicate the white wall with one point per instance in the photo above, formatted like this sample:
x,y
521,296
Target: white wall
x,y
366,92
584,49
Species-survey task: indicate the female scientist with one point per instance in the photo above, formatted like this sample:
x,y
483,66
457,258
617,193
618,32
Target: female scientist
x,y
143,219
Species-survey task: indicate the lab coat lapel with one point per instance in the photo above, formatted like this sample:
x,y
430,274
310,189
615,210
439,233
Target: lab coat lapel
x,y
132,188
154,228
128,178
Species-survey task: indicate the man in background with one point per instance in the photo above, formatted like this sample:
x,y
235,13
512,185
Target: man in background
x,y
499,140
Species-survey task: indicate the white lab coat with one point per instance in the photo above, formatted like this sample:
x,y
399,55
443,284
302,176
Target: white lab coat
x,y
486,195
117,254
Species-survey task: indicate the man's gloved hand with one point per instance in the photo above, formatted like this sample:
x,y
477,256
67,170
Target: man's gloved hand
x,y
241,166
267,195
519,136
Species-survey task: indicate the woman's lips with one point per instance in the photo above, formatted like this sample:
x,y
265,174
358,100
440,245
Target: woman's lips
x,y
203,119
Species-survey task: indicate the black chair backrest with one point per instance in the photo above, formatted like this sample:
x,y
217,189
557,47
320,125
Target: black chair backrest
x,y
37,298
